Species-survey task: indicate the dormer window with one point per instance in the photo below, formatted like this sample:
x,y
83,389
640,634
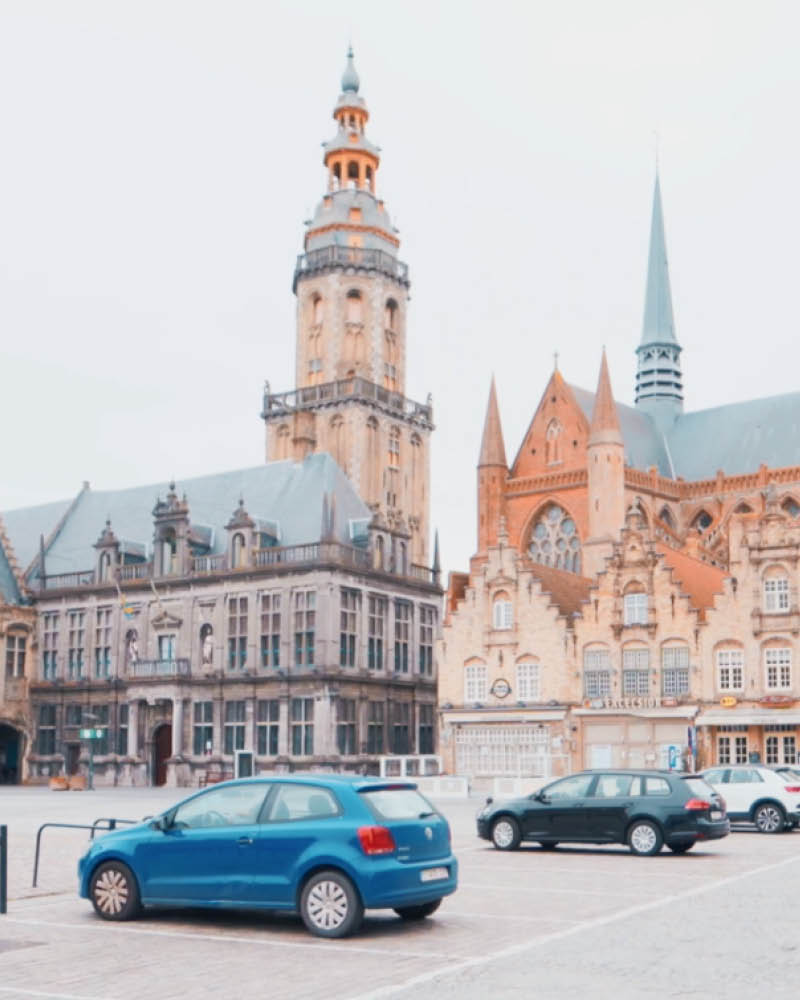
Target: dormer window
x,y
502,612
776,595
238,551
104,567
169,554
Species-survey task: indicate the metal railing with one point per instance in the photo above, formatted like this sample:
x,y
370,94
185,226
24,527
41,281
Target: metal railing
x,y
357,257
93,827
160,668
354,387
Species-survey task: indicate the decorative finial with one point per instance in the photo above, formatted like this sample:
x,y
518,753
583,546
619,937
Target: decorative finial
x,y
555,360
350,81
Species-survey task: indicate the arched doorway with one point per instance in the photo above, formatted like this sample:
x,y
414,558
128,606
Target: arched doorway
x,y
162,750
10,755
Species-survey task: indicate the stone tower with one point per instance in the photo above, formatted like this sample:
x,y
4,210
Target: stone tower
x,y
352,297
605,457
659,382
492,475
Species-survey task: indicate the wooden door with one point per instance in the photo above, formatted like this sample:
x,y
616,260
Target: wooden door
x,y
162,749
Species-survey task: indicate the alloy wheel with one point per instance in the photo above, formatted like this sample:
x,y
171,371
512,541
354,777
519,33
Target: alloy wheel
x,y
643,838
111,891
503,833
769,819
327,906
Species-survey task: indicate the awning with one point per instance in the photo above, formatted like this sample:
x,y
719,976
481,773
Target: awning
x,y
748,717
677,712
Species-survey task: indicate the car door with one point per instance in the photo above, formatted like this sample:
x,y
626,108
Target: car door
x,y
744,785
608,808
558,811
204,853
299,819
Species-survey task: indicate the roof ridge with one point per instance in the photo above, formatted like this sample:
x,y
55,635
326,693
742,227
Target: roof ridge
x,y
11,557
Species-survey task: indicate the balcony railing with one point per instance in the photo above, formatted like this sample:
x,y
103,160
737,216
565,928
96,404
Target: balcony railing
x,y
355,387
336,553
160,668
360,258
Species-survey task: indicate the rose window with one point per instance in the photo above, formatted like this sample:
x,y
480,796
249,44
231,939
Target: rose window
x,y
554,540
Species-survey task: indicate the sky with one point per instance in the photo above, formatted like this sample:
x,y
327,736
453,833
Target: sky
x,y
159,158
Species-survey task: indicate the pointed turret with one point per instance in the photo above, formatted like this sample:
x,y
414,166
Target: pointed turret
x,y
493,451
659,382
605,419
605,456
492,472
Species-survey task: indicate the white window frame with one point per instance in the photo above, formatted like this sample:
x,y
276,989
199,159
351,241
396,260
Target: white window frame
x,y
635,609
529,681
776,595
502,614
476,687
730,669
778,668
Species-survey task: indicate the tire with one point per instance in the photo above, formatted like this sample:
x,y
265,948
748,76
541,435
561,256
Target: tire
x,y
114,891
418,912
644,838
330,905
769,818
506,834
682,848
548,845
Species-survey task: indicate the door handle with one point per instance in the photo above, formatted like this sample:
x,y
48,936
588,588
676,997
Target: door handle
x,y
244,841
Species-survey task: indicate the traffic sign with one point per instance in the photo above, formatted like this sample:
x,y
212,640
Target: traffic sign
x,y
91,734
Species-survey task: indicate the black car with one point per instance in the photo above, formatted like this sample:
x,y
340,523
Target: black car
x,y
644,809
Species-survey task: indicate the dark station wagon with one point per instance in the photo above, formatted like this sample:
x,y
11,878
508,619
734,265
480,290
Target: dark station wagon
x,y
643,809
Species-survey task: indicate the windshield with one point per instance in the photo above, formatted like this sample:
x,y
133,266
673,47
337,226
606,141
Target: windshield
x,y
398,803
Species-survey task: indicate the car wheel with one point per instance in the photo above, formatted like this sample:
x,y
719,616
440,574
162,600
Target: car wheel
x,y
548,845
505,834
330,905
681,848
418,912
769,818
114,892
644,838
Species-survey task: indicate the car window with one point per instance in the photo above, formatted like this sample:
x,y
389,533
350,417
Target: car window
x,y
656,786
699,787
397,803
574,787
293,802
745,776
611,786
230,805
715,777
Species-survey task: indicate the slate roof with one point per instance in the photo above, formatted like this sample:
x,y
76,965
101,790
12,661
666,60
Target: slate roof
x,y
9,591
697,579
567,591
289,493
736,438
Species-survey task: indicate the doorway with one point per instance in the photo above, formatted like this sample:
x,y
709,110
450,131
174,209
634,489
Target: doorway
x,y
10,753
73,758
162,750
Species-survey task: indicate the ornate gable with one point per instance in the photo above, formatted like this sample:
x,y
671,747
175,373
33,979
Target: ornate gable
x,y
557,435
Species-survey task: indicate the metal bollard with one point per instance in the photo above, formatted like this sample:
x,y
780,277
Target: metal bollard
x,y
3,869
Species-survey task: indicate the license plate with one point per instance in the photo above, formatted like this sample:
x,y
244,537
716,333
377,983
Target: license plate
x,y
716,814
432,874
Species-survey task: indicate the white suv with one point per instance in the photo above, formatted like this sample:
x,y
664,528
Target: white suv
x,y
757,794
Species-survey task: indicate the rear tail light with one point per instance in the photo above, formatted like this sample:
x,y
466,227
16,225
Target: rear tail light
x,y
697,805
376,840
793,788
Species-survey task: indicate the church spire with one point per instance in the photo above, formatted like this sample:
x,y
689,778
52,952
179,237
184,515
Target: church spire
x,y
659,382
605,419
493,451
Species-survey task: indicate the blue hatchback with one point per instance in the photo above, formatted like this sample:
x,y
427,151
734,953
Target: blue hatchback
x,y
328,846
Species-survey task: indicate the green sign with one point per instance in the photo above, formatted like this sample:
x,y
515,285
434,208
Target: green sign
x,y
91,734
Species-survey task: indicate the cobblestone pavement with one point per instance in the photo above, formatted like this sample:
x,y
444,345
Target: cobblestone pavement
x,y
576,922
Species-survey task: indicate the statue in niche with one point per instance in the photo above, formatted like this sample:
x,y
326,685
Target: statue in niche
x,y
207,644
131,646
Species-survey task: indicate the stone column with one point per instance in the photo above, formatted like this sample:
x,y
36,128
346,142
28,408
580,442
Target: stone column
x,y
177,727
133,729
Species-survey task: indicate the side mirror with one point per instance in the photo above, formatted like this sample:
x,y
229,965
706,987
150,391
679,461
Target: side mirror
x,y
489,800
541,797
160,823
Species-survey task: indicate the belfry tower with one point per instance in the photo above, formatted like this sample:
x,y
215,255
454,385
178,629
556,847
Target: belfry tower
x,y
352,297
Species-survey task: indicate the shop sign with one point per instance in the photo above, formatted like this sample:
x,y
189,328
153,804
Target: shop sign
x,y
728,701
501,688
653,702
777,701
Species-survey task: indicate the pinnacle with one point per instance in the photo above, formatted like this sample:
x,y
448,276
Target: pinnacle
x,y
493,451
604,415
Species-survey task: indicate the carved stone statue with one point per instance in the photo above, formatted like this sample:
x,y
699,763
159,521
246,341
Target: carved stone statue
x,y
207,637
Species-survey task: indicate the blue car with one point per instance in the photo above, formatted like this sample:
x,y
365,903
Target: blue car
x,y
328,846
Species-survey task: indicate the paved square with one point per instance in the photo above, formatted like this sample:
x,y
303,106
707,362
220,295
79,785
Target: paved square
x,y
576,922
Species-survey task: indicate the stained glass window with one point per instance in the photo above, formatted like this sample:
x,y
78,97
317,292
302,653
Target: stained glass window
x,y
554,540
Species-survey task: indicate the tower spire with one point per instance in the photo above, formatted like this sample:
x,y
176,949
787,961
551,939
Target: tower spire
x,y
659,382
605,419
493,451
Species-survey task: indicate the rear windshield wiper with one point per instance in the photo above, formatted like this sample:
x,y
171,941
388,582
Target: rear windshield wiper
x,y
424,815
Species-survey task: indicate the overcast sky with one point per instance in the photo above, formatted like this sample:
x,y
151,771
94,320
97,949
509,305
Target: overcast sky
x,y
158,160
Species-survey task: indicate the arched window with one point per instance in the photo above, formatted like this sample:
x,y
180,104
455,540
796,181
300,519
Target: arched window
x,y
369,178
596,672
666,518
528,681
352,174
337,176
552,443
776,591
502,611
316,310
105,567
337,439
379,555
354,311
16,642
635,670
393,455
475,682
743,508
238,551
702,521
169,553
390,315
282,450
634,605
402,567
791,507
554,540
674,669
778,667
374,456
